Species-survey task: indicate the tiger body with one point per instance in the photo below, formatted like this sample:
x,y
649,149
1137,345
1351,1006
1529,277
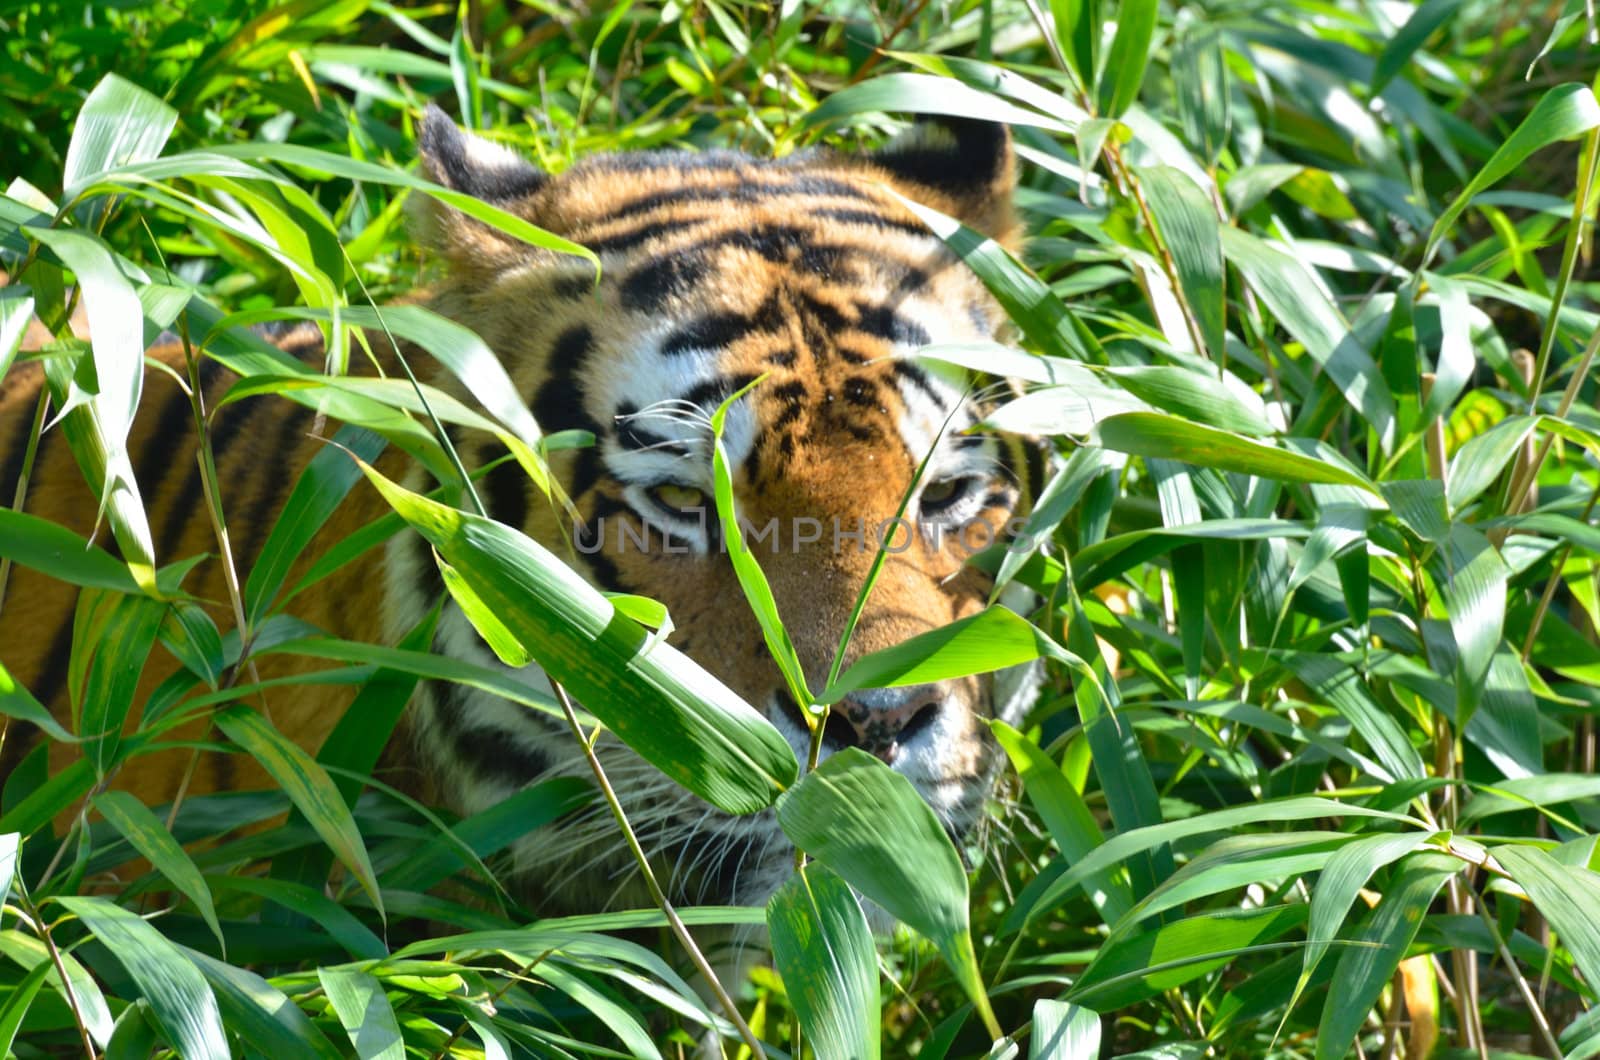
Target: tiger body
x,y
809,274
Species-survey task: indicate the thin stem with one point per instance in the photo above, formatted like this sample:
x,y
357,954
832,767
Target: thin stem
x,y
1535,1010
1569,256
39,413
679,928
1555,579
1528,474
60,966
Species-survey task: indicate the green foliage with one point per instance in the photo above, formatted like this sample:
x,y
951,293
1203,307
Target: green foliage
x,y
1309,312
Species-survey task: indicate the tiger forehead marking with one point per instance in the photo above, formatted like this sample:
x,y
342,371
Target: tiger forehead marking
x,y
812,276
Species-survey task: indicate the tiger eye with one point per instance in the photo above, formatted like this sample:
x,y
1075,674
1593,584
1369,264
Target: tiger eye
x,y
678,498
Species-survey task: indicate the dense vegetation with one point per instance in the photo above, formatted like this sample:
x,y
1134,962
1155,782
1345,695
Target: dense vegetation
x,y
1309,310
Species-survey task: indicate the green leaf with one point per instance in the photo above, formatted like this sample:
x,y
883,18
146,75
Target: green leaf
x,y
317,493
1297,300
120,654
181,1002
18,702
30,953
1066,815
144,830
925,94
16,310
823,950
120,123
1475,589
752,579
1064,1031
1193,396
357,170
260,1013
1130,51
1422,24
364,1011
1156,434
9,842
1566,895
1187,226
1521,793
1346,873
16,1006
1138,966
1120,848
1028,302
309,788
1562,113
1481,459
99,426
867,823
993,639
662,704
1342,687
1366,967
334,919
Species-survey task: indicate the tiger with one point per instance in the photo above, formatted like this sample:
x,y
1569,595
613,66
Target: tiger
x,y
808,276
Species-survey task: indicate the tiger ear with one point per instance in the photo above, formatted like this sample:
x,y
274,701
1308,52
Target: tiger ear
x,y
480,168
966,164
464,162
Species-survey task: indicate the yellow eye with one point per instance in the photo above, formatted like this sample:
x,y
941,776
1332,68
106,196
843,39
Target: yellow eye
x,y
943,494
679,500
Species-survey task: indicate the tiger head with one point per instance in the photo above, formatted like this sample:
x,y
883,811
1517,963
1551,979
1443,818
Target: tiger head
x,y
811,275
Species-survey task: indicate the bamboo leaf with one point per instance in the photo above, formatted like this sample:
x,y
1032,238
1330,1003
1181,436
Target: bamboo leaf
x,y
308,786
823,949
181,1003
1064,1031
145,832
993,639
1188,227
867,823
1156,434
1563,112
365,1013
1366,967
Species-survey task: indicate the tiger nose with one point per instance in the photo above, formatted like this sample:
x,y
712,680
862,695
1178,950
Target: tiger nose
x,y
882,721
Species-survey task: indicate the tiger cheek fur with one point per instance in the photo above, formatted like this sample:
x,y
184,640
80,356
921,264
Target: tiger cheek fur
x,y
811,276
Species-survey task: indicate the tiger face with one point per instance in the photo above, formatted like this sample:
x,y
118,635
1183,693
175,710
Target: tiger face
x,y
811,276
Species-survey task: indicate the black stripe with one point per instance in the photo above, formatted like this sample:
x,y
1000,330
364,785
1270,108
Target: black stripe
x,y
918,377
586,470
863,393
573,286
1033,453
507,486
279,479
883,322
713,392
720,330
50,687
632,436
602,571
162,446
799,186
1008,462
558,404
633,237
874,220
17,451
675,271
491,751
181,511
427,568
